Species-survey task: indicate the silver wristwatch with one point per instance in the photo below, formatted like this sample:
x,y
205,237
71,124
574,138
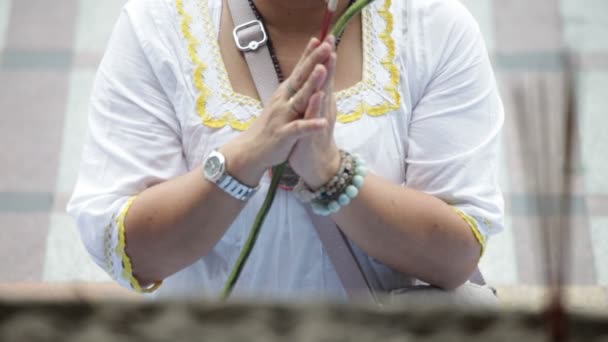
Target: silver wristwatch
x,y
214,170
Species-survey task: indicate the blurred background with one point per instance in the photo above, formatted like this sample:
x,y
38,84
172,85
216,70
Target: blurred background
x,y
49,51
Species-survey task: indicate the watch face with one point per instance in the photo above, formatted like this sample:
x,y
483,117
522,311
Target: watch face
x,y
213,167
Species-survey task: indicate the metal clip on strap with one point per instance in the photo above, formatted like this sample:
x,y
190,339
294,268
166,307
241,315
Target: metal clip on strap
x,y
250,36
251,39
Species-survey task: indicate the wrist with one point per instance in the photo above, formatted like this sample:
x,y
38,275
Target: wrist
x,y
326,170
242,165
342,189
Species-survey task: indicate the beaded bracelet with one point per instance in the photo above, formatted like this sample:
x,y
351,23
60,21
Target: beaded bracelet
x,y
341,180
330,202
306,195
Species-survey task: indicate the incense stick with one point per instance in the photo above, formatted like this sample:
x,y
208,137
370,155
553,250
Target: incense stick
x,y
332,7
547,141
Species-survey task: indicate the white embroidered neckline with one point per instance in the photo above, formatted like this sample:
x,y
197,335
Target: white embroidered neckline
x,y
219,105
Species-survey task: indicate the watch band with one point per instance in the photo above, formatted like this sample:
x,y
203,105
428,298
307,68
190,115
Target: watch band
x,y
235,188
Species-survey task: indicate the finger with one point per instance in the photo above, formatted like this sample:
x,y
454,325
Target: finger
x,y
317,78
326,108
313,43
314,105
331,39
302,70
331,70
300,128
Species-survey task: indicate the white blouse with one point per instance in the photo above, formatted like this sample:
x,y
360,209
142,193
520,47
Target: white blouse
x,y
427,115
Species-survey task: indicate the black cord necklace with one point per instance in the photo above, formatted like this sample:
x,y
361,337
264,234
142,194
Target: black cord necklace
x,y
289,179
273,55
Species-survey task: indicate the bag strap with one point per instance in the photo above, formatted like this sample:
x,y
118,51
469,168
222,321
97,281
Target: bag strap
x,y
343,258
250,37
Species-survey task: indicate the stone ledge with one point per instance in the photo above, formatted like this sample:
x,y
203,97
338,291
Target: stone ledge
x,y
259,322
594,299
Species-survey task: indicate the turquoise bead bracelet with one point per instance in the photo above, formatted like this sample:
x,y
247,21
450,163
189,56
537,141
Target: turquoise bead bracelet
x,y
328,205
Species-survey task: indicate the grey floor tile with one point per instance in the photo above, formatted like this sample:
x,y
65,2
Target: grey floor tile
x,y
483,11
22,246
504,176
550,60
599,231
26,202
5,12
87,60
598,206
93,38
36,60
528,260
582,256
498,264
42,24
31,124
525,26
66,257
594,121
531,264
586,24
534,131
74,129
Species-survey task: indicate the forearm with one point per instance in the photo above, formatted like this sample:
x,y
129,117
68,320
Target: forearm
x,y
173,224
412,232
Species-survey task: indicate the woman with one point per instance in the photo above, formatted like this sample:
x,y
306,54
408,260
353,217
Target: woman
x,y
415,97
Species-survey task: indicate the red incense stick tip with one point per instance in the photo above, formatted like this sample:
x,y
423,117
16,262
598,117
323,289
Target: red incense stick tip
x,y
326,23
332,7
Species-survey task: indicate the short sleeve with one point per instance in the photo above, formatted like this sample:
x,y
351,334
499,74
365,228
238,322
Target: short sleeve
x,y
133,141
457,117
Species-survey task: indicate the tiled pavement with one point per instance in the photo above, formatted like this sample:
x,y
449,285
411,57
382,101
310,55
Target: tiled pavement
x,y
49,51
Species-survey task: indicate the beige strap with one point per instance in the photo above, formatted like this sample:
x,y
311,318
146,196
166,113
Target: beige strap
x,y
343,258
250,33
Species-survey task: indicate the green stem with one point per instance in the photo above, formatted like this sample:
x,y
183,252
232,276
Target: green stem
x,y
350,13
277,173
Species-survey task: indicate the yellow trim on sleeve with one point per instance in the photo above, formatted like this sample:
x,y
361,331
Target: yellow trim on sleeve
x,y
121,249
474,228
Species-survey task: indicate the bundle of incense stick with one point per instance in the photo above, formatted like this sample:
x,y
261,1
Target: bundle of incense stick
x,y
332,7
546,126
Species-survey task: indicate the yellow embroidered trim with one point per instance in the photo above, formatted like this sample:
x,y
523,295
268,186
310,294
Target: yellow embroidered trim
x,y
121,249
107,247
389,64
229,95
199,69
474,227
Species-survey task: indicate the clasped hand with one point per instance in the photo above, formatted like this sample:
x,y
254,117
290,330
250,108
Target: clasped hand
x,y
297,124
